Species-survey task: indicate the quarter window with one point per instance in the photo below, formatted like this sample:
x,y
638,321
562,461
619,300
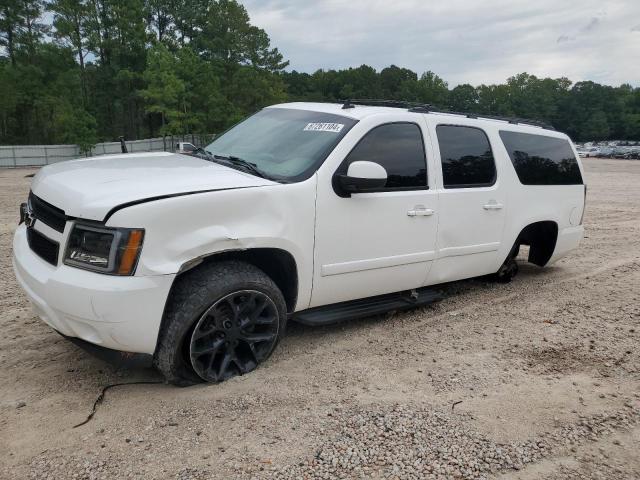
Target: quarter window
x,y
399,148
467,159
541,160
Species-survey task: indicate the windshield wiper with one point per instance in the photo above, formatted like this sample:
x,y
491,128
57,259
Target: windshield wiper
x,y
202,153
240,162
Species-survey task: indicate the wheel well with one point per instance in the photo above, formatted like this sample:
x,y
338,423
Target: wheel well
x,y
278,264
541,238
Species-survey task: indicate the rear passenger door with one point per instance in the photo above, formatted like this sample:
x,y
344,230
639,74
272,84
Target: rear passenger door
x,y
472,203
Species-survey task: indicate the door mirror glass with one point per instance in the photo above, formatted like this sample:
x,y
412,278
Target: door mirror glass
x,y
362,177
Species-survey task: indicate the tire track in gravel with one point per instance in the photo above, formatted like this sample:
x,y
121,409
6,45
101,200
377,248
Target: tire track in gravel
x,y
489,293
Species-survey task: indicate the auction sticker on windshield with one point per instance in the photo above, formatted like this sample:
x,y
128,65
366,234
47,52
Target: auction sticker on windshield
x,y
324,127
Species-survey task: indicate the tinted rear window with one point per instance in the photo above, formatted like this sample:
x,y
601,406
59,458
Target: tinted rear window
x,y
541,160
467,159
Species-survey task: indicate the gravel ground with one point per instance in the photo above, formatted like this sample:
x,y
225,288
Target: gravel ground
x,y
537,379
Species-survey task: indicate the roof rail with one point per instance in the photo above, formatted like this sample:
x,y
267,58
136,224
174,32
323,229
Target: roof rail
x,y
380,103
427,108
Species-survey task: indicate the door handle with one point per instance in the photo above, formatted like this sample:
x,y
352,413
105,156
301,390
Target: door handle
x,y
419,211
493,206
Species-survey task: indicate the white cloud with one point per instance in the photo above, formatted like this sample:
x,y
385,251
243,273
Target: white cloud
x,y
462,41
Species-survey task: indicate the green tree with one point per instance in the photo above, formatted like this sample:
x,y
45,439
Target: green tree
x,y
205,105
252,89
10,18
70,18
149,66
188,18
165,92
596,127
494,100
432,89
70,21
8,101
160,18
227,36
592,112
300,86
531,97
76,127
361,82
31,29
464,98
394,80
20,27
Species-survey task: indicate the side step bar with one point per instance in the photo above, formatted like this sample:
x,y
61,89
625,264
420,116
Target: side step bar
x,y
366,307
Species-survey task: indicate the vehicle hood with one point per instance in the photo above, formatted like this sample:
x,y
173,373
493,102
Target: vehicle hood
x,y
90,188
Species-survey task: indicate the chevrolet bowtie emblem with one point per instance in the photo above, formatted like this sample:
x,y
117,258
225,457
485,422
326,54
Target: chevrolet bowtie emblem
x,y
26,215
30,220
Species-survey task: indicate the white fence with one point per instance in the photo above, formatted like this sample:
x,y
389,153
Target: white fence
x,y
39,155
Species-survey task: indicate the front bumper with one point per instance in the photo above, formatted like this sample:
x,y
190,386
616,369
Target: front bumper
x,y
117,358
119,313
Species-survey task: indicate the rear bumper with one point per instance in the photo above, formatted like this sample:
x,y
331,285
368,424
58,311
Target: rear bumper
x,y
118,313
568,239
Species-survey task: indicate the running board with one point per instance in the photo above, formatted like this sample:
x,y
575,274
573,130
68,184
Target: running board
x,y
366,307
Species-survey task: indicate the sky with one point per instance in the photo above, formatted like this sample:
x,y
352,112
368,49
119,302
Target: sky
x,y
475,42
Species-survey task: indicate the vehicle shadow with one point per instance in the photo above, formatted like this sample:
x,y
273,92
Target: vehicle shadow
x,y
450,290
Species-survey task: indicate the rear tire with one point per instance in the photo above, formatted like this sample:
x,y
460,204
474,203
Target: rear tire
x,y
509,268
222,320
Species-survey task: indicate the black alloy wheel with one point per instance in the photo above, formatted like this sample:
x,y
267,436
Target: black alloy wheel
x,y
234,335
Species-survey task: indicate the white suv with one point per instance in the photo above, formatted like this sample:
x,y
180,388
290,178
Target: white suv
x,y
310,211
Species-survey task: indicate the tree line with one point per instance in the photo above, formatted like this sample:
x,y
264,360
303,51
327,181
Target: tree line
x,y
584,110
84,71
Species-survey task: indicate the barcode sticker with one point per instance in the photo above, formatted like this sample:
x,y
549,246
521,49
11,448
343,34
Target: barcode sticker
x,y
324,127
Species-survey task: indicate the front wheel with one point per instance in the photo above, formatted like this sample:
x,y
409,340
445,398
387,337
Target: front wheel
x,y
223,320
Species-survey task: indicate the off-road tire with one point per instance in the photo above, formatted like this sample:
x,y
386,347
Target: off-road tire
x,y
194,293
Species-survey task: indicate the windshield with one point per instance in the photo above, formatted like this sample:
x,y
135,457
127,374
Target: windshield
x,y
285,144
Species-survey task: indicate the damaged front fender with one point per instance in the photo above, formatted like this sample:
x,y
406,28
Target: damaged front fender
x,y
181,231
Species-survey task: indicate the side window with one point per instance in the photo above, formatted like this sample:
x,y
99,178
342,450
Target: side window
x,y
399,148
467,159
541,160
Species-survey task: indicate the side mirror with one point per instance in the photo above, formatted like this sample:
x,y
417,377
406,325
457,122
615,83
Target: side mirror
x,y
363,177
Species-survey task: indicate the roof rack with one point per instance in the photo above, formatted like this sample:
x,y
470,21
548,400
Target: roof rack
x,y
427,108
381,103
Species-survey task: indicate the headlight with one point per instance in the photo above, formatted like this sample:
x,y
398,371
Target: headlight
x,y
113,251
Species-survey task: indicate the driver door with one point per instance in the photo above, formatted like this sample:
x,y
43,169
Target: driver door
x,y
383,241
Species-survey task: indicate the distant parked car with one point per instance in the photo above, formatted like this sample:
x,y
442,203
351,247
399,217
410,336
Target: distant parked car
x,y
622,152
606,152
634,153
589,152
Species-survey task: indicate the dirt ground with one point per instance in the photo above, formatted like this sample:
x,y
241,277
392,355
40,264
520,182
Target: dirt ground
x,y
546,368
